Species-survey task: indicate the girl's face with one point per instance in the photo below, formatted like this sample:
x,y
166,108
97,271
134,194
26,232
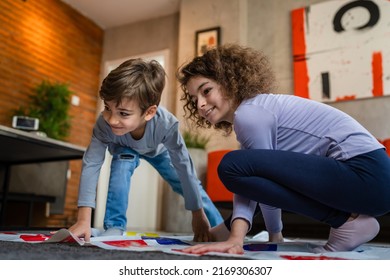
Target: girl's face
x,y
208,96
126,117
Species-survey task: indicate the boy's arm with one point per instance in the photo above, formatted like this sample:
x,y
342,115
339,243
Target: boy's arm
x,y
190,183
92,162
168,134
91,165
182,162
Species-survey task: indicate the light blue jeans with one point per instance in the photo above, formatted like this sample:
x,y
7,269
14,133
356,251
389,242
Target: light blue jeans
x,y
124,161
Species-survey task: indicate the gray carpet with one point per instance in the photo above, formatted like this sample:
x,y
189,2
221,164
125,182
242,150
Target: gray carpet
x,y
71,251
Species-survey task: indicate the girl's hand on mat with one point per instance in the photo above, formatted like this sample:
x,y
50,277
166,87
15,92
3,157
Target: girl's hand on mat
x,y
200,226
233,245
229,247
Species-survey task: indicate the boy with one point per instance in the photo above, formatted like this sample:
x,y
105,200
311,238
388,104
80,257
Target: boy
x,y
132,126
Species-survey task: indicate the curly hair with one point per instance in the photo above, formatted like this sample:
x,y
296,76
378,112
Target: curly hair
x,y
136,79
242,72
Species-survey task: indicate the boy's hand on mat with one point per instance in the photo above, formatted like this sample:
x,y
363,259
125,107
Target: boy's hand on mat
x,y
200,226
81,229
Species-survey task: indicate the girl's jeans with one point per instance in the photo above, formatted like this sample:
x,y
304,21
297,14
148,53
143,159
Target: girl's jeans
x,y
124,162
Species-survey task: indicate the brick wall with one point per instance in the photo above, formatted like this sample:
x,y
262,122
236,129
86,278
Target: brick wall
x,y
48,40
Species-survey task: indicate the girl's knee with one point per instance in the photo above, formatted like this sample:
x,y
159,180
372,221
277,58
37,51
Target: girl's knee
x,y
227,164
227,170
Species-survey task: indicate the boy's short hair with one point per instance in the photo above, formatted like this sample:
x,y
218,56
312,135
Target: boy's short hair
x,y
135,79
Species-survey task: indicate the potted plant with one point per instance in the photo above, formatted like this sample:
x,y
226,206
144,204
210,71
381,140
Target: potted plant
x,y
50,104
196,145
195,140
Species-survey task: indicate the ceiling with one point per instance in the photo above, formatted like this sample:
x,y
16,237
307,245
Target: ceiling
x,y
111,13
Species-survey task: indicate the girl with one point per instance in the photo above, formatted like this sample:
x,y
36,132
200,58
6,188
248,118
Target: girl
x,y
296,154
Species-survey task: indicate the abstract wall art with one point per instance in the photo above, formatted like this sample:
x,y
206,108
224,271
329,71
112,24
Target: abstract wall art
x,y
341,50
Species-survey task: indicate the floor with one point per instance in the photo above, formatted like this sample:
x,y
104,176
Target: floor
x,y
138,245
300,232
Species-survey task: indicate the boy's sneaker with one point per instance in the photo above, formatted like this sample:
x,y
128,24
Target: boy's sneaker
x,y
112,232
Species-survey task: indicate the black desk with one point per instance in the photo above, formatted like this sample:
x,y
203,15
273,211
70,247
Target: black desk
x,y
19,147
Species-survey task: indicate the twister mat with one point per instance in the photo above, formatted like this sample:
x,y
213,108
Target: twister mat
x,y
255,247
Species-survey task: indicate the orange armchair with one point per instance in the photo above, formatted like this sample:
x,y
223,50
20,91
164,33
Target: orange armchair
x,y
386,143
217,192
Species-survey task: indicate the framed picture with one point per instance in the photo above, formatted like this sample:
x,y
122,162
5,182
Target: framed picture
x,y
206,39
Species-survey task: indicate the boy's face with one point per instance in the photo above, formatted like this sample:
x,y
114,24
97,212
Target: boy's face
x,y
126,117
